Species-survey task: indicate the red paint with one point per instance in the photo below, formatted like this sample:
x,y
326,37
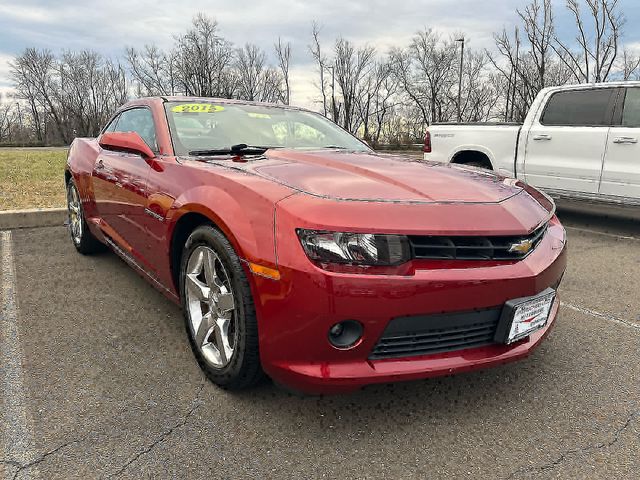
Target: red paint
x,y
259,205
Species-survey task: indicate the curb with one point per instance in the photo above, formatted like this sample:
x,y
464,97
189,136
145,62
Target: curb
x,y
36,217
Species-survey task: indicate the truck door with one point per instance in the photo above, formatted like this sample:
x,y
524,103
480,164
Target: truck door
x,y
621,171
566,144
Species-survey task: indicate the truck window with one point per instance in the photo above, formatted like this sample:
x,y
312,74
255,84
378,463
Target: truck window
x,y
631,113
579,108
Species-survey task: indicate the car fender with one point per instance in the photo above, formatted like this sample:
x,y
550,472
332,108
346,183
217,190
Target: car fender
x,y
249,230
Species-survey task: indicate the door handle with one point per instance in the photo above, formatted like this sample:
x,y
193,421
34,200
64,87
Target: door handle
x,y
625,140
100,164
543,136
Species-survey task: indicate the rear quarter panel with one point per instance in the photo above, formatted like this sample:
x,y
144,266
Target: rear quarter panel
x,y
497,142
80,162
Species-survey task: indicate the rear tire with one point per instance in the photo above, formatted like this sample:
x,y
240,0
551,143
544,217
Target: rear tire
x,y
478,165
84,241
219,312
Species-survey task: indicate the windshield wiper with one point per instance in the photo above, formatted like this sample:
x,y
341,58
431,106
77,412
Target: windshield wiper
x,y
239,149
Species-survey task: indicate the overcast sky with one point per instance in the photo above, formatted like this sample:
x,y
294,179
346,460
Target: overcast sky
x,y
109,26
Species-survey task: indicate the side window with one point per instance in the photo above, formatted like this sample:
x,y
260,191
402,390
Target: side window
x,y
112,125
139,120
631,112
579,108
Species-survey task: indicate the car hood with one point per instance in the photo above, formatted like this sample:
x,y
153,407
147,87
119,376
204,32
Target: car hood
x,y
378,177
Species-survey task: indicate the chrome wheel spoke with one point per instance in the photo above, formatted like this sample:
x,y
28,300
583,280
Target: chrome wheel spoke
x,y
204,330
210,272
197,288
221,335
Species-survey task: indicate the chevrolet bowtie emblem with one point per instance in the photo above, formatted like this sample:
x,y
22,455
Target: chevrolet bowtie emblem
x,y
523,247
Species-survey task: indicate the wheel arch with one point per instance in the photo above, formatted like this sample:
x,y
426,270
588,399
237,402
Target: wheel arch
x,y
182,228
473,155
249,230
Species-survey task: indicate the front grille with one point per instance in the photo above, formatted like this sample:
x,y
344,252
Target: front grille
x,y
428,334
473,248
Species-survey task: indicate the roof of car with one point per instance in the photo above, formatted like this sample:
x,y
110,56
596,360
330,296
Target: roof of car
x,y
184,98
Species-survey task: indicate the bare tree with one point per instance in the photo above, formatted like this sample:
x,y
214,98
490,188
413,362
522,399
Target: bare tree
x,y
352,66
31,76
201,60
257,81
410,83
527,67
283,52
76,92
152,70
427,71
597,38
321,60
436,61
630,66
376,103
89,89
480,92
6,121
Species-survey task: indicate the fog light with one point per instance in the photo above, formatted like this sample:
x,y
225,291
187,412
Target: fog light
x,y
345,334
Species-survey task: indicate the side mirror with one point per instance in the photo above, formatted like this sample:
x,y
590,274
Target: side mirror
x,y
126,142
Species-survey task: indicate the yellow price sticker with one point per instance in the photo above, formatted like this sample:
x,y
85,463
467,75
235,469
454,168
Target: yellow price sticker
x,y
197,108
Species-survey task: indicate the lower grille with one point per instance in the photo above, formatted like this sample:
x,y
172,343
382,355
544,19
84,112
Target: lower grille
x,y
428,334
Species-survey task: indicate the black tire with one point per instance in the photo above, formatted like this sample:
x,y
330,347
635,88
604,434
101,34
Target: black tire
x,y
478,164
85,242
243,369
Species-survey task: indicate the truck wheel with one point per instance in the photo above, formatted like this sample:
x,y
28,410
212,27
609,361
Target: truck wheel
x,y
82,238
219,312
478,165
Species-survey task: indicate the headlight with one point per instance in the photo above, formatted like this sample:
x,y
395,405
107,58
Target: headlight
x,y
355,248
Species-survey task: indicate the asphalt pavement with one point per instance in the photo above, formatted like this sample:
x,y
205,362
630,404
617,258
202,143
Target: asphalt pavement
x,y
98,381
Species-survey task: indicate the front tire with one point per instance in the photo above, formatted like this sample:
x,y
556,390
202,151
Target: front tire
x,y
82,238
219,312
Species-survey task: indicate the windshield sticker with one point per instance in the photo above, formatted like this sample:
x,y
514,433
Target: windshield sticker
x,y
197,108
258,115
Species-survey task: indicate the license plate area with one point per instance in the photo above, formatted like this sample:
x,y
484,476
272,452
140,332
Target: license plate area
x,y
522,316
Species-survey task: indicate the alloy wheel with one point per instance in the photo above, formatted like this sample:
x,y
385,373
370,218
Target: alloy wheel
x,y
211,306
74,208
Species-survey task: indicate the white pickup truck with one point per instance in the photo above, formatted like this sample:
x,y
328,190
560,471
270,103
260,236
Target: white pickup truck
x,y
577,142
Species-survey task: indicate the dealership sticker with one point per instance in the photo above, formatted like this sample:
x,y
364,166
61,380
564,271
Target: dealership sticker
x,y
197,108
258,115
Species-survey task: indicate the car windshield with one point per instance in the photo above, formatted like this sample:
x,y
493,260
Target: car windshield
x,y
218,126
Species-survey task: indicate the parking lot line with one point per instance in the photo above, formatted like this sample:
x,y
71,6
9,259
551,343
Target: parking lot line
x,y
610,318
606,234
17,438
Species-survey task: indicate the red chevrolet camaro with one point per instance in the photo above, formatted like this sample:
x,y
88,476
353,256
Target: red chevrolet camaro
x,y
297,251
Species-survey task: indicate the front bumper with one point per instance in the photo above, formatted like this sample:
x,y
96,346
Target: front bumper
x,y
296,312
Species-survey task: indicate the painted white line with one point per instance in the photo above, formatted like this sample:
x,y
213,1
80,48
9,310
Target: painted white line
x,y
606,234
603,316
17,439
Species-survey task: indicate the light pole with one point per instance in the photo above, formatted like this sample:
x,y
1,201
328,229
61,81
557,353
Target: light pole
x,y
461,40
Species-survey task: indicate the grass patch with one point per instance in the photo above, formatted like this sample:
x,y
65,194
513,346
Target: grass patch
x,y
32,178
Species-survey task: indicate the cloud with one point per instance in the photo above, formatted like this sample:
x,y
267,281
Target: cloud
x,y
109,27
4,71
